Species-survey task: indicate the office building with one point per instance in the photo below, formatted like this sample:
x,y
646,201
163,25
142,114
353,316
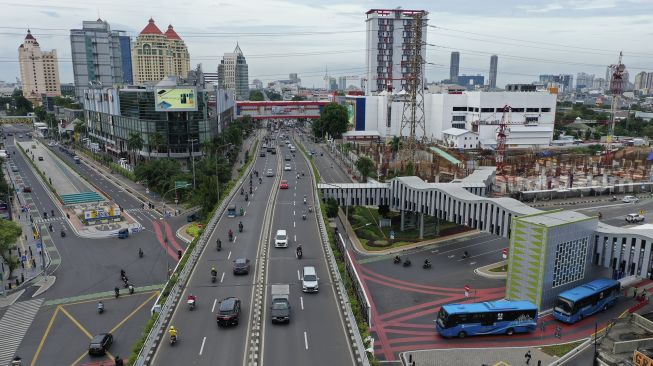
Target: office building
x,y
389,38
97,56
342,83
494,63
584,81
471,82
233,74
258,84
454,67
157,55
564,82
294,78
39,70
113,114
332,84
126,58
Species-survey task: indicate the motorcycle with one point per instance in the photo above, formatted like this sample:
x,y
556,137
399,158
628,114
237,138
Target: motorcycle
x,y
213,278
310,208
300,253
173,340
246,197
465,255
407,262
304,216
231,236
131,289
426,265
218,245
242,191
397,259
240,227
100,308
140,253
117,292
191,304
260,180
63,234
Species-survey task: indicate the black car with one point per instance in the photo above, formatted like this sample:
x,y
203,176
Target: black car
x,y
229,311
100,344
40,158
192,217
241,266
262,154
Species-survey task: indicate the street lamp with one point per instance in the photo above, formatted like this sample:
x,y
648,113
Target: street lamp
x,y
163,197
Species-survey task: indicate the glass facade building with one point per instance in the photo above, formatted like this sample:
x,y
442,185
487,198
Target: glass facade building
x,y
126,55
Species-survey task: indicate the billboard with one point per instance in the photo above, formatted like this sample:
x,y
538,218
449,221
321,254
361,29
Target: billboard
x,y
351,114
175,99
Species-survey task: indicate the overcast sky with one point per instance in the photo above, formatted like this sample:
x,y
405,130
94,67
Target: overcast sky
x,y
531,37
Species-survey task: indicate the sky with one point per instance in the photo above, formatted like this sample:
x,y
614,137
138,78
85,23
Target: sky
x,y
308,37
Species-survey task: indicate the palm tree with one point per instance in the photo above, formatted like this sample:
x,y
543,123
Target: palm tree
x,y
134,143
366,167
156,141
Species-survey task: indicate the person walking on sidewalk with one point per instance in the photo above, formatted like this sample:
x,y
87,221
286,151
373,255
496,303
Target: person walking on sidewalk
x,y
528,357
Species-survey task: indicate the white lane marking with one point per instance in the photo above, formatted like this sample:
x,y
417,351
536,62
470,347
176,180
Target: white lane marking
x,y
294,203
222,277
305,340
295,237
202,348
301,302
298,277
248,202
215,301
294,224
229,256
235,237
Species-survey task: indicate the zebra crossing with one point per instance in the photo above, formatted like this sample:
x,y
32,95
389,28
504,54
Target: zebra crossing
x,y
49,219
15,323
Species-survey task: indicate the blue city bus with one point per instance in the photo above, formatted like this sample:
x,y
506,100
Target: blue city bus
x,y
484,318
582,301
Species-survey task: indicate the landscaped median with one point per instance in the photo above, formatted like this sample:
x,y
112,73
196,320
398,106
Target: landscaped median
x,y
172,281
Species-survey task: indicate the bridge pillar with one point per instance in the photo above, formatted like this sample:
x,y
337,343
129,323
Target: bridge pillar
x,y
403,220
421,225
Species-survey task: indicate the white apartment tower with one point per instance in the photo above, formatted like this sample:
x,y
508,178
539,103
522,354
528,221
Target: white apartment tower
x,y
388,38
39,70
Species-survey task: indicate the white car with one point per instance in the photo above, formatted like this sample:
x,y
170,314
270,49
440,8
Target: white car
x,y
630,199
634,218
269,173
310,280
281,239
287,167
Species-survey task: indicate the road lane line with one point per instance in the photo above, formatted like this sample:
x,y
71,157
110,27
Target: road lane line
x,y
293,213
298,277
295,238
215,301
202,347
229,256
222,277
294,224
301,301
305,340
248,203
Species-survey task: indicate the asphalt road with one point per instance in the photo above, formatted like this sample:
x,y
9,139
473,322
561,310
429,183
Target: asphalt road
x,y
614,213
315,334
201,341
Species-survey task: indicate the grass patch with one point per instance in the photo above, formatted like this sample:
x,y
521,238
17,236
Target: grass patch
x,y
559,350
500,269
193,230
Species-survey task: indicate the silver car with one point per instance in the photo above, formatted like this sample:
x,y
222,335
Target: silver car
x,y
269,173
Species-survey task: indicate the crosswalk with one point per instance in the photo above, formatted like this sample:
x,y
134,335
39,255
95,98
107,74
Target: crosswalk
x,y
49,219
14,324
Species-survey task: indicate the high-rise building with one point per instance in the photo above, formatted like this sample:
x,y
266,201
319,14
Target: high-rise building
x,y
97,56
258,84
564,81
294,78
233,74
39,70
494,64
454,67
342,82
389,38
584,80
157,55
126,58
640,80
471,81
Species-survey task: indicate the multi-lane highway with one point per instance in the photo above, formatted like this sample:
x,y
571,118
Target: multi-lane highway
x,y
315,334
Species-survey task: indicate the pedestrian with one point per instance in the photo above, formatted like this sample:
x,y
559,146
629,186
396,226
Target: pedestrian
x,y
33,263
22,277
30,251
635,292
528,357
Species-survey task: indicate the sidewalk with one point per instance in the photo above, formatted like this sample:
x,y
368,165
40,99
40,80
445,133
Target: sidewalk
x,y
509,356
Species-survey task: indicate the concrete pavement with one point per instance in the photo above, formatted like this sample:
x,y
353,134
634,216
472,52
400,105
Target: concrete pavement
x,y
505,356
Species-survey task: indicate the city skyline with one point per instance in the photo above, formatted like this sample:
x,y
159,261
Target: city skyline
x,y
297,37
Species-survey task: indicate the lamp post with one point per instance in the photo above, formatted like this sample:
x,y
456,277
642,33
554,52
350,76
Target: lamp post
x,y
192,158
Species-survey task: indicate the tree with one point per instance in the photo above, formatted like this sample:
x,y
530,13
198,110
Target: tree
x,y
80,128
395,145
366,167
156,141
40,113
134,143
297,98
23,106
256,95
334,121
383,210
9,232
332,208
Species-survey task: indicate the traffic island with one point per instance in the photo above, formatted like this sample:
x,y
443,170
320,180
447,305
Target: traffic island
x,y
497,270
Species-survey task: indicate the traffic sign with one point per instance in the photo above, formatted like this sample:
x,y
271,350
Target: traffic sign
x,y
504,253
23,258
39,245
181,184
467,288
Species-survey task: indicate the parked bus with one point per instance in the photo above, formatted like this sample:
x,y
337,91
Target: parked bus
x,y
484,318
583,301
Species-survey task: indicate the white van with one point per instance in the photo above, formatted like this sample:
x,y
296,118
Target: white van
x,y
309,279
281,239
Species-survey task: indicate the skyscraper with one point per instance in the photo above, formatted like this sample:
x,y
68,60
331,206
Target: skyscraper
x,y
39,70
342,82
157,55
233,74
494,63
389,37
126,56
97,55
454,67
584,80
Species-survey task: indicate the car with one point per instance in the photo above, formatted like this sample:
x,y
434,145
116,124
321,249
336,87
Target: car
x,y
262,154
192,217
287,167
27,189
281,239
292,149
283,185
309,279
269,173
29,135
630,199
14,168
228,312
100,344
52,143
264,146
288,157
123,233
40,158
241,266
9,134
272,151
633,218
20,135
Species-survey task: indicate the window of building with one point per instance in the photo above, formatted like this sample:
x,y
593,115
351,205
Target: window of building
x,y
545,110
460,109
534,110
532,119
487,110
458,125
458,118
518,109
569,264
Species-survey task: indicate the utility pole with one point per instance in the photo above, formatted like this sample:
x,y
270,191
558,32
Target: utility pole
x,y
192,158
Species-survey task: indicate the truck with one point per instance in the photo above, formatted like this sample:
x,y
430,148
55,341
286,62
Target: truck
x,y
280,308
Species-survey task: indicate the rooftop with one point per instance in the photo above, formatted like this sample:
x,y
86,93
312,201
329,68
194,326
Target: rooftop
x,y
151,28
171,34
554,218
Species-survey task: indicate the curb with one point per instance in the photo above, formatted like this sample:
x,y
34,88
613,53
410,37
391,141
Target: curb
x,y
484,271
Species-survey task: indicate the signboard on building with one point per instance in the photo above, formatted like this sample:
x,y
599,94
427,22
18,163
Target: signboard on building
x,y
175,99
640,359
15,120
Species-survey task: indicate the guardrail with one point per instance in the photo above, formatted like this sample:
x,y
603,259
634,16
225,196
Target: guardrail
x,y
358,348
166,311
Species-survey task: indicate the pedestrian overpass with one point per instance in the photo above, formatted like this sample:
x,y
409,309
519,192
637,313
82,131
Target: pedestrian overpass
x,y
280,109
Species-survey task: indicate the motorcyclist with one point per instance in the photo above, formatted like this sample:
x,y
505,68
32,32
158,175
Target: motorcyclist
x,y
260,180
240,226
304,199
100,305
140,252
242,191
246,197
219,244
397,259
214,272
122,273
242,211
465,254
427,262
172,332
117,291
600,216
299,250
231,235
